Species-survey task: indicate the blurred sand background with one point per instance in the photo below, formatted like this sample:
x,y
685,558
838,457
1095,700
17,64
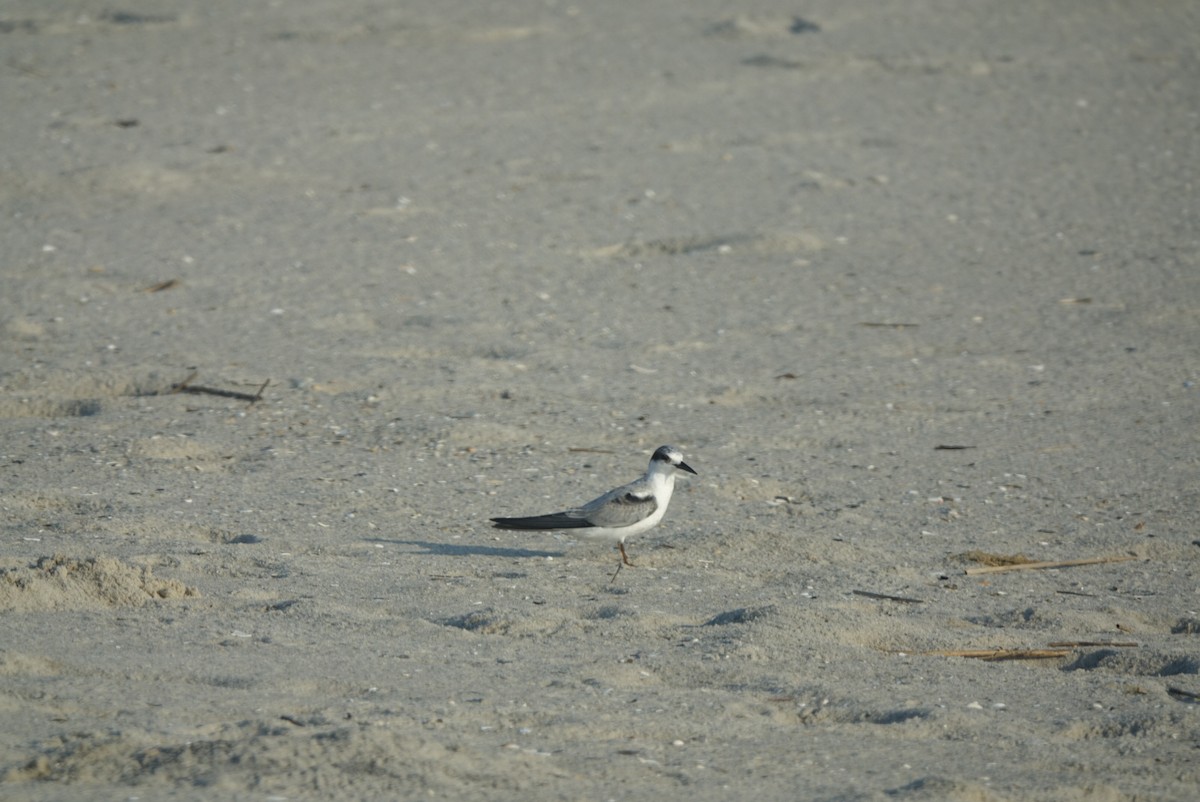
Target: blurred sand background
x,y
910,283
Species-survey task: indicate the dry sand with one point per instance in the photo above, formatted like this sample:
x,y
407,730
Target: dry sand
x,y
489,256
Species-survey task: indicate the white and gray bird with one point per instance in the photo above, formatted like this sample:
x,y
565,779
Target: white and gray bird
x,y
628,510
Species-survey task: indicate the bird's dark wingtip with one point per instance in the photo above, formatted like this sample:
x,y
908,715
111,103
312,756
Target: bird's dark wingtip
x,y
558,520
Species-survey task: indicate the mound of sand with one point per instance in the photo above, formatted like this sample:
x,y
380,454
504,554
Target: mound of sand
x,y
66,583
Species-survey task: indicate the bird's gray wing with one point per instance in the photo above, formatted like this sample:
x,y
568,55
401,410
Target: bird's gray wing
x,y
624,506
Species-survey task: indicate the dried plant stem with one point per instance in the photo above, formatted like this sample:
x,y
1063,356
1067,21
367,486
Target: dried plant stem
x,y
995,569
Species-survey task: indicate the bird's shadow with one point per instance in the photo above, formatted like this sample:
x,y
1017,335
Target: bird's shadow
x,y
464,549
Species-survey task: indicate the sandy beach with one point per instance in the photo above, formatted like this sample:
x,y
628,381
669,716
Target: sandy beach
x,y
294,297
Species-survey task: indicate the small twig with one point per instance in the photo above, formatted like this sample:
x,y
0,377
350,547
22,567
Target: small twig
x,y
1053,650
952,448
186,386
176,388
995,569
871,324
1001,654
886,597
988,558
585,450
1189,695
170,283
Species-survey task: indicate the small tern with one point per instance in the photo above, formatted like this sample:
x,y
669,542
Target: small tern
x,y
628,510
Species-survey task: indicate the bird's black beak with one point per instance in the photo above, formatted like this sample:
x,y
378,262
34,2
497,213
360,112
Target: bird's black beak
x,y
683,466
